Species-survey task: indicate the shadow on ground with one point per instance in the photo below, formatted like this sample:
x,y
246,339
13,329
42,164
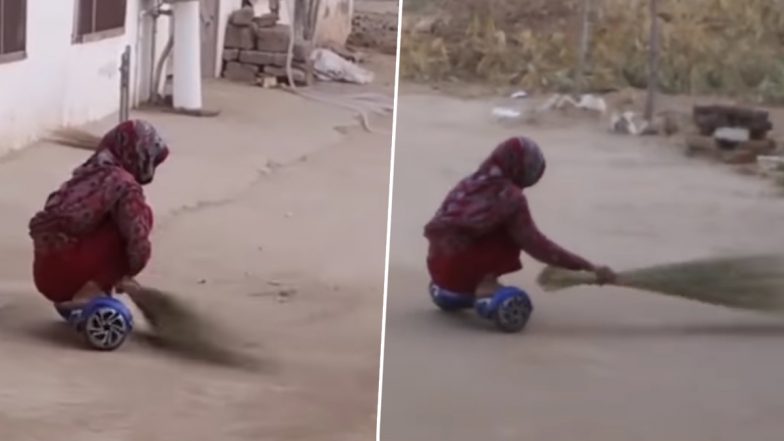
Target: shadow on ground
x,y
24,320
468,322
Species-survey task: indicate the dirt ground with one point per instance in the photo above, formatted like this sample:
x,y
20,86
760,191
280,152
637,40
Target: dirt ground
x,y
273,226
594,364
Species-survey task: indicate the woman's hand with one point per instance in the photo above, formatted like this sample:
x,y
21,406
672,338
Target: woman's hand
x,y
605,275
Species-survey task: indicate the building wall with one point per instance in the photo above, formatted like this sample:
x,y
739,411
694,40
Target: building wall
x,y
335,21
59,82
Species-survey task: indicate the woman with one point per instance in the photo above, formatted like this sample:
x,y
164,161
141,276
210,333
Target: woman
x,y
477,234
93,235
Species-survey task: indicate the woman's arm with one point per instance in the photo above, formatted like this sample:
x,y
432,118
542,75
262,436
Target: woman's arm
x,y
538,246
133,218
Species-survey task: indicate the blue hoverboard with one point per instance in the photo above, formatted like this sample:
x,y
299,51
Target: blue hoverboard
x,y
509,308
105,322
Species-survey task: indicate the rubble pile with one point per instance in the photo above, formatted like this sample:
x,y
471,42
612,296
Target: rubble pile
x,y
735,135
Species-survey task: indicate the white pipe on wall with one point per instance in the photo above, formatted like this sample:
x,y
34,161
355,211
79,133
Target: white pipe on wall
x,y
187,55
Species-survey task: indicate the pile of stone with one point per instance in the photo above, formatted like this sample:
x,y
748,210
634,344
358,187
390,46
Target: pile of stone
x,y
733,134
255,50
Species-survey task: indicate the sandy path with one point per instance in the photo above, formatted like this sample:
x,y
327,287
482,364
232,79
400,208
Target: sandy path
x,y
595,364
232,234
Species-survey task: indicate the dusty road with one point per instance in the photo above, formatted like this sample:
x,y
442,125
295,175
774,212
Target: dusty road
x,y
594,364
274,226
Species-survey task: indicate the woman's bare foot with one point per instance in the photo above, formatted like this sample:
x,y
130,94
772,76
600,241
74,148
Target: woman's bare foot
x,y
488,286
88,292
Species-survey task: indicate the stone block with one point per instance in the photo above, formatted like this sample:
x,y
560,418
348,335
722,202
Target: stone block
x,y
242,17
262,58
266,20
240,72
231,54
272,39
301,52
298,75
239,37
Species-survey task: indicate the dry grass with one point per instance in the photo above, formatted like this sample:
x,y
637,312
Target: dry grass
x,y
708,46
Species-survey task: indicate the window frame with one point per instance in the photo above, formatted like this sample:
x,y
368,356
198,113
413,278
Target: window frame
x,y
93,35
10,57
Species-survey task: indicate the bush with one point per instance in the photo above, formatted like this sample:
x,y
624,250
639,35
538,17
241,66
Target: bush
x,y
707,46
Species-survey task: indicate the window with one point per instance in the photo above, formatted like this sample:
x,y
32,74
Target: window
x,y
97,19
13,29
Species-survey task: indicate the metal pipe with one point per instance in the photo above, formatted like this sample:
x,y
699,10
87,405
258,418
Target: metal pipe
x,y
155,11
153,47
159,69
125,70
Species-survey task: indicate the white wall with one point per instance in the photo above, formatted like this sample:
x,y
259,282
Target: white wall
x,y
61,83
334,21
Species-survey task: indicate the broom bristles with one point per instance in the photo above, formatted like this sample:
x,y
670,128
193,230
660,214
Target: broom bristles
x,y
75,138
750,282
181,329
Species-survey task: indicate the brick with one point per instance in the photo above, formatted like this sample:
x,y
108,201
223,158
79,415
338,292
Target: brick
x,y
266,20
239,37
232,37
272,39
231,54
242,17
261,58
244,73
298,75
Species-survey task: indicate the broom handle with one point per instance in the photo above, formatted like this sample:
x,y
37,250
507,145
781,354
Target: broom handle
x,y
586,278
577,278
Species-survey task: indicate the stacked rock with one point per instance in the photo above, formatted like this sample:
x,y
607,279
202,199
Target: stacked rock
x,y
255,49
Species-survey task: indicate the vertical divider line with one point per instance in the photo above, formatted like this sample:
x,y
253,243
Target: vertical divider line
x,y
390,193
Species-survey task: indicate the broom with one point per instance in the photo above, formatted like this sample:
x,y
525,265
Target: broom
x,y
750,282
76,138
181,329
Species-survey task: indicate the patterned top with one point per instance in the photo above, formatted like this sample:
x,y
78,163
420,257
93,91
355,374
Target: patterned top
x,y
492,198
107,187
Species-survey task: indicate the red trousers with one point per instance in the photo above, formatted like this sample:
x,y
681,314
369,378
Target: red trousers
x,y
98,257
493,255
